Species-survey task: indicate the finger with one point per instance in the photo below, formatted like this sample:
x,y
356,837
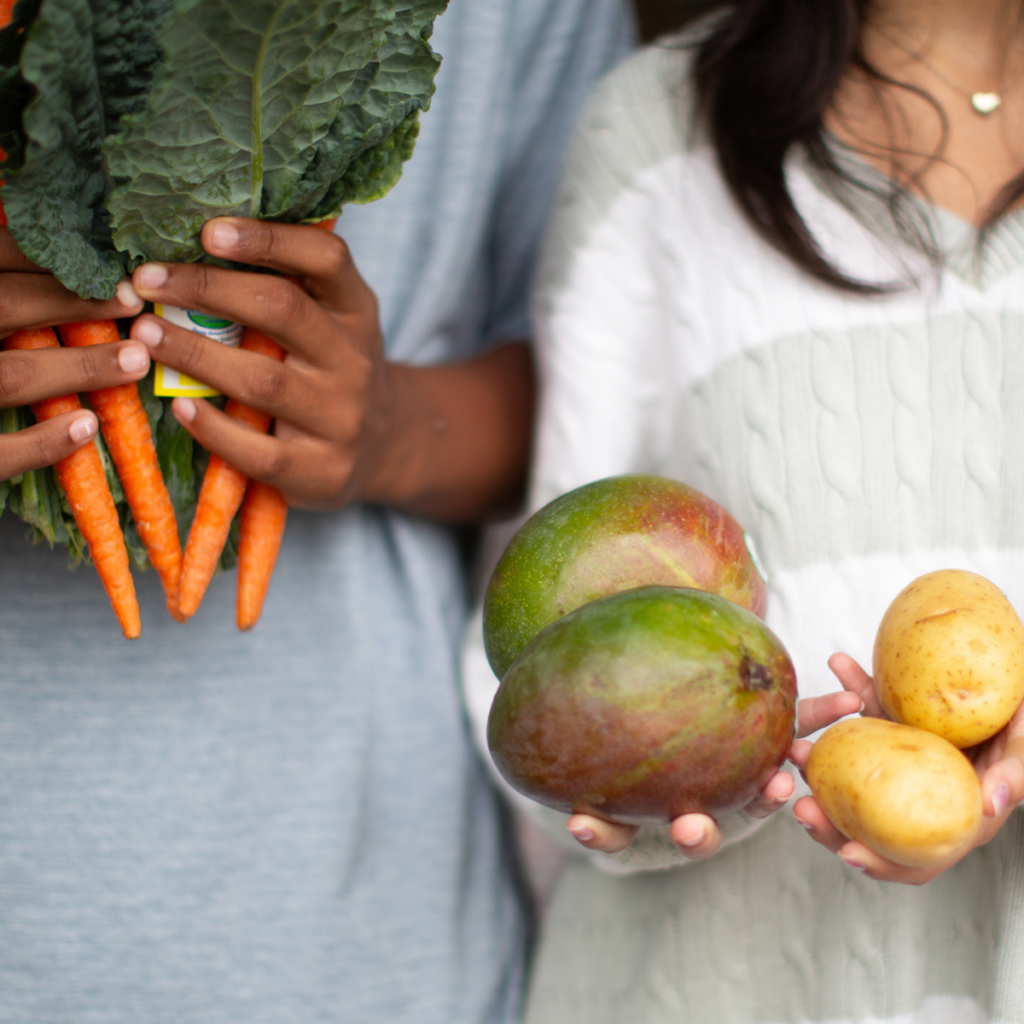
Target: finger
x,y
308,473
799,752
45,443
12,258
854,679
1002,787
31,300
814,713
696,835
808,813
861,858
319,258
29,376
262,383
278,307
598,834
779,789
1015,747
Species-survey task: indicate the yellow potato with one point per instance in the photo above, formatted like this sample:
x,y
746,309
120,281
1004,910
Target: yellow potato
x,y
949,657
905,793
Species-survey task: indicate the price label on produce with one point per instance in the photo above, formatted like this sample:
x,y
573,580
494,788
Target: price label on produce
x,y
173,384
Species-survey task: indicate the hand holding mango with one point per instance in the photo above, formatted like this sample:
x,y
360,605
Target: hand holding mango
x,y
638,683
949,669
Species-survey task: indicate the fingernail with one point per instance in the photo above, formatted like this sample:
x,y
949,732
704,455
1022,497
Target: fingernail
x,y
224,236
151,275
126,294
184,409
583,835
855,864
693,840
133,358
1000,798
82,429
806,824
149,332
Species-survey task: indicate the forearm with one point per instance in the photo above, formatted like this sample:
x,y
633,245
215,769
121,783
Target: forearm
x,y
456,437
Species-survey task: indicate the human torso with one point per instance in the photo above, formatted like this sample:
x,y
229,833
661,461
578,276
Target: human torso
x,y
860,442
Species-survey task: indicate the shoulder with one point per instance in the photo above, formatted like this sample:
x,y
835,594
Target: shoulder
x,y
639,115
637,157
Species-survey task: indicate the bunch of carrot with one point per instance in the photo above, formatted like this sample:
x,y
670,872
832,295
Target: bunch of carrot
x,y
264,511
129,440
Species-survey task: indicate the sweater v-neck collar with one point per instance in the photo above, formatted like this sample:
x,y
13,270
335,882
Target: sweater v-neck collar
x,y
980,263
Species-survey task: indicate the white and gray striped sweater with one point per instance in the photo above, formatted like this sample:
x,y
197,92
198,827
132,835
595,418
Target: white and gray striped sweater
x,y
861,441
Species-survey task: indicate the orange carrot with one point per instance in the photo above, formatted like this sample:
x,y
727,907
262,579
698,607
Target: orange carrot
x,y
130,443
263,518
84,482
220,497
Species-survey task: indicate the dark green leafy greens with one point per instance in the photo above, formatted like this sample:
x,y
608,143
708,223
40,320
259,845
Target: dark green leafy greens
x,y
127,124
139,121
83,64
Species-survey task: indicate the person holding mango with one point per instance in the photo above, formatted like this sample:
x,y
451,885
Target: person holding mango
x,y
786,269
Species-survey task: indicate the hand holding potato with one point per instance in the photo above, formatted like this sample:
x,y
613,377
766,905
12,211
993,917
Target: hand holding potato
x,y
998,764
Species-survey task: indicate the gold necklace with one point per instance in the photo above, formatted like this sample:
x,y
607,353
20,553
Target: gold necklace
x,y
984,103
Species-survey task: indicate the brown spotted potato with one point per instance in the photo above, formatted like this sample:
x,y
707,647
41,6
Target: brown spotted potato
x,y
949,657
905,793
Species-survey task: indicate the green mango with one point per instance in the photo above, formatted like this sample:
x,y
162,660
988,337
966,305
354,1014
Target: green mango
x,y
646,705
610,536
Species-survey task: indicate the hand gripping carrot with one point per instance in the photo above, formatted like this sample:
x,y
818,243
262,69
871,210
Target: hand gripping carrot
x,y
263,518
84,482
221,494
261,529
130,443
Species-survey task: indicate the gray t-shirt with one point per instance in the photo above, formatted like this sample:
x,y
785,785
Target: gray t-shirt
x,y
203,827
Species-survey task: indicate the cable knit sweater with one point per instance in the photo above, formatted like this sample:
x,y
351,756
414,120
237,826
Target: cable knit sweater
x,y
861,442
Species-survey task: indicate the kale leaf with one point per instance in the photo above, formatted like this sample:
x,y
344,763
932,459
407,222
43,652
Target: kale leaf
x,y
84,64
262,111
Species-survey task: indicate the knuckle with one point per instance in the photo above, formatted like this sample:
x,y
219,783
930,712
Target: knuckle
x,y
45,446
268,383
274,462
285,303
15,376
7,306
92,362
199,283
359,381
262,242
337,475
190,349
338,256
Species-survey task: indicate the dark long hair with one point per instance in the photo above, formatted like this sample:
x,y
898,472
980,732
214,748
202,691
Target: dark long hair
x,y
765,73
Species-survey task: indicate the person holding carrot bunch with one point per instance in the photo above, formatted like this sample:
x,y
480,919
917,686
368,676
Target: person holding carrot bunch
x,y
787,267
205,826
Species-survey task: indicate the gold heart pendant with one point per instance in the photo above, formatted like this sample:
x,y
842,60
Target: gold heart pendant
x,y
985,102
